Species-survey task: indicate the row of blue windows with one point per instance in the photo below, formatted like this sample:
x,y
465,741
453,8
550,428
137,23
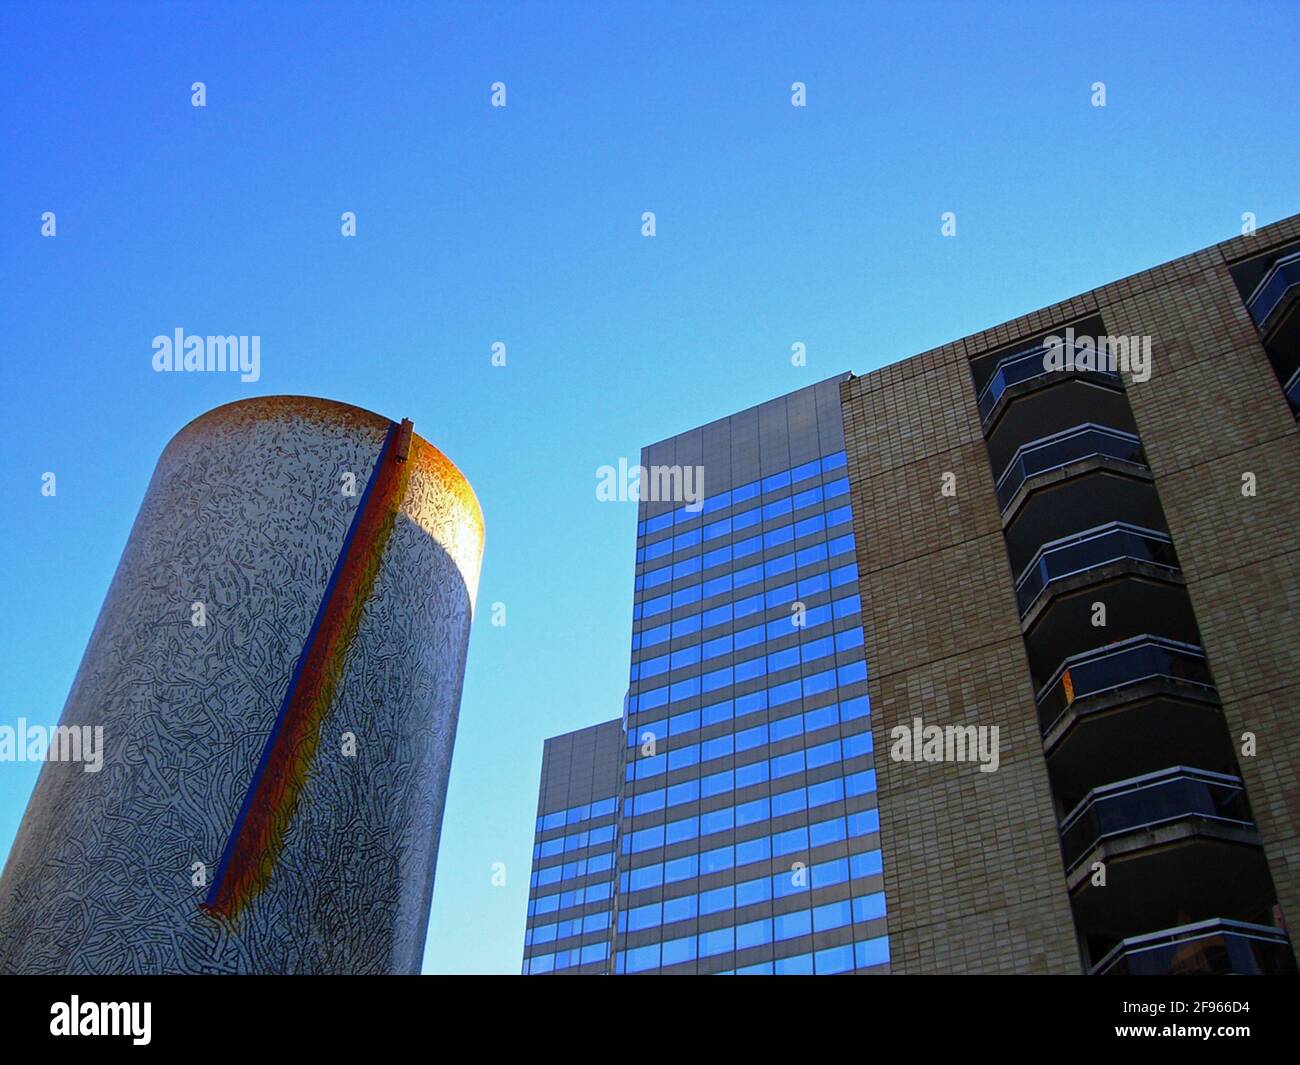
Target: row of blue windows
x,y
782,884
825,918
818,834
563,900
843,959
781,765
791,841
805,556
575,926
785,926
747,637
802,588
798,529
762,889
574,841
734,496
861,909
566,959
779,508
804,527
781,728
577,814
759,666
553,874
808,796
720,941
771,631
777,695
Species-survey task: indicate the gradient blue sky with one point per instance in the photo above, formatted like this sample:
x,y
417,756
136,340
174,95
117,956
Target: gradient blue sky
x,y
522,225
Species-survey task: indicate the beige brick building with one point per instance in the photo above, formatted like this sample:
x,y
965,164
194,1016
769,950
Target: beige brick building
x,y
1147,765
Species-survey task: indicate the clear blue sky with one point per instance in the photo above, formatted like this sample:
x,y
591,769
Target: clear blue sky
x,y
522,225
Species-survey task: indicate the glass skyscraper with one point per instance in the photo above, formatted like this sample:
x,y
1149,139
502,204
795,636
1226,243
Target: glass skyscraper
x,y
747,836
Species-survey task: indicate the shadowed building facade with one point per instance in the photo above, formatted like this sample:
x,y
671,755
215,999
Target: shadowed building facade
x,y
277,671
1101,562
577,815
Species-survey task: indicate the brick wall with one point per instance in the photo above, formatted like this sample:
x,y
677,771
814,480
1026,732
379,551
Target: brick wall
x,y
973,873
973,870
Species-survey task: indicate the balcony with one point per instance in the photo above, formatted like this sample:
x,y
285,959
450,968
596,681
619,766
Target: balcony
x,y
1091,492
1216,947
1175,846
1018,368
1116,542
1056,452
1130,708
1175,796
1273,294
1109,671
1292,390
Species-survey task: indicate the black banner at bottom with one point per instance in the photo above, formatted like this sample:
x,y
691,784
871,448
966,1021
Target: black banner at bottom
x,y
357,1014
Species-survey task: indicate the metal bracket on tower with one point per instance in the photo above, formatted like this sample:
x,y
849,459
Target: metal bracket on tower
x,y
402,446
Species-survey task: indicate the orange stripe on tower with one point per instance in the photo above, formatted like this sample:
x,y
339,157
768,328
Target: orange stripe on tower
x,y
258,835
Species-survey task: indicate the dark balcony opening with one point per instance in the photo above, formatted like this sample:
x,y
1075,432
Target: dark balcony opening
x,y
1275,295
985,367
1247,274
1058,402
1057,455
1102,672
1032,372
1085,496
1136,730
1283,348
1069,401
1206,948
1292,390
1270,288
1089,550
1177,872
1145,804
1137,600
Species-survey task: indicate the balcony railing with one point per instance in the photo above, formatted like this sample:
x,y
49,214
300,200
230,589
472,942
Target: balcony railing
x,y
1118,666
1018,367
1283,276
1214,947
1087,550
1060,449
1163,797
1292,390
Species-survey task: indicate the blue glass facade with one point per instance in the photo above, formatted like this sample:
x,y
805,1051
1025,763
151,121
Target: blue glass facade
x,y
571,892
748,836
